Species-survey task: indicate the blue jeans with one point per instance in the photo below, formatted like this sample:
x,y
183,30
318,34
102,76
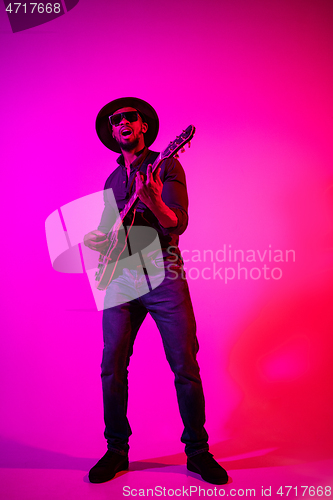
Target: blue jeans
x,y
170,306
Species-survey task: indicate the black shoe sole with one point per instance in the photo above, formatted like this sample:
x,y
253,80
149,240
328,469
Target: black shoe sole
x,y
208,479
105,478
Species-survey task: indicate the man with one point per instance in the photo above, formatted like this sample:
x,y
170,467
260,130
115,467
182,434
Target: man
x,y
129,126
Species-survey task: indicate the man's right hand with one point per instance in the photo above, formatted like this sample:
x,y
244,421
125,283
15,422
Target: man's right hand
x,y
96,240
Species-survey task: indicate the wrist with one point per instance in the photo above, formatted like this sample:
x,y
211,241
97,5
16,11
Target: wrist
x,y
166,217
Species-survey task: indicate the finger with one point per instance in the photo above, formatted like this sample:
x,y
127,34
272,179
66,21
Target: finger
x,y
157,174
158,181
149,174
102,244
98,238
99,246
96,235
138,179
138,182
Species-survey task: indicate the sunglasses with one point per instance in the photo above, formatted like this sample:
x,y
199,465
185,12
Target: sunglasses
x,y
130,116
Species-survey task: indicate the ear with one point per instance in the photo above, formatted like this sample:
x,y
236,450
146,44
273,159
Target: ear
x,y
144,127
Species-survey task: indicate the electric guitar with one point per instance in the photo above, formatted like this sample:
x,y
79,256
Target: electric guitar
x,y
108,262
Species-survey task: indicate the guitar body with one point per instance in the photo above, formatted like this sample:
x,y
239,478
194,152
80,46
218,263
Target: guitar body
x,y
108,262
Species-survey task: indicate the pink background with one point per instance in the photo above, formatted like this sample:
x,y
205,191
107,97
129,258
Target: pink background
x,y
256,79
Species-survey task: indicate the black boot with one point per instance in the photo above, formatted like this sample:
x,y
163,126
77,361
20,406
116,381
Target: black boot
x,y
205,465
107,467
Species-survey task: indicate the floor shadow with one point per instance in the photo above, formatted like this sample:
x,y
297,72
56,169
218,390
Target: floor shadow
x,y
141,465
14,455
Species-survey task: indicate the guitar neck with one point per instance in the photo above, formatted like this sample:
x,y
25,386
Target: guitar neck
x,y
132,200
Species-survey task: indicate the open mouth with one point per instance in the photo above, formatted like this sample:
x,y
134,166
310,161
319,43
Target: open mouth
x,y
126,132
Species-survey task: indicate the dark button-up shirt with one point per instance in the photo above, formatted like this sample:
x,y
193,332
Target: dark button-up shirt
x,y
174,195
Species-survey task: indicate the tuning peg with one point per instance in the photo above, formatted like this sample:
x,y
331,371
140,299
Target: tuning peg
x,y
189,144
182,150
177,155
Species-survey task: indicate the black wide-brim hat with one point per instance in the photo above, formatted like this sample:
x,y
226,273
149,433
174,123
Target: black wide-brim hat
x,y
149,115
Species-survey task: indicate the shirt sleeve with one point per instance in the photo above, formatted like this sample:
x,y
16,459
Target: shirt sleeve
x,y
174,194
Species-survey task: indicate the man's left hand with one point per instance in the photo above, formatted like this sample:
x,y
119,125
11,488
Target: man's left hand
x,y
150,193
150,190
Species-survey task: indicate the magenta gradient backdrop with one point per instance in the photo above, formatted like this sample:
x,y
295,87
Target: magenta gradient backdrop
x,y
256,80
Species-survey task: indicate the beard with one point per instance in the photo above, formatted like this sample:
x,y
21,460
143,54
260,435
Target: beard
x,y
128,146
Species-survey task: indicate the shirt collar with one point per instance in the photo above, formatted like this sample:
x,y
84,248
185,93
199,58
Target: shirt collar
x,y
140,157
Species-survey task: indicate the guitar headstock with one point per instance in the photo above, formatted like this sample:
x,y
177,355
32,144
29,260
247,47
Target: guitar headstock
x,y
179,143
